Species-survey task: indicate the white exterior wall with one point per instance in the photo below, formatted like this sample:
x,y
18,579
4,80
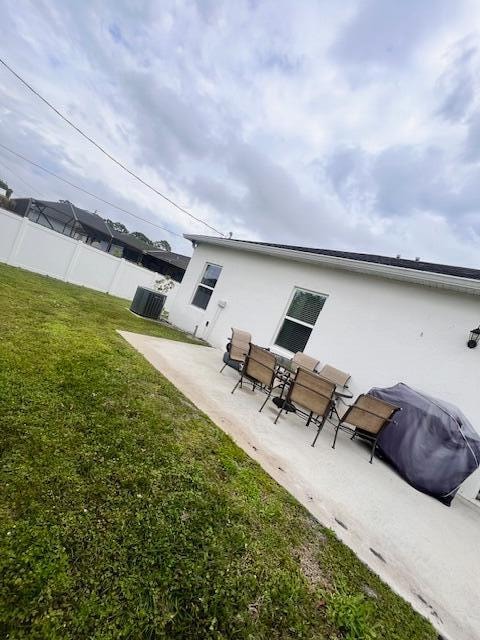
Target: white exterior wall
x,y
25,244
382,331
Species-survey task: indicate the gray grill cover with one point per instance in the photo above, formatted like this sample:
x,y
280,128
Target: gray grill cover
x,y
431,444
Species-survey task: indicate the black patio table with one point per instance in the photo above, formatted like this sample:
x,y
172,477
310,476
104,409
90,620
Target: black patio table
x,y
284,362
343,392
285,368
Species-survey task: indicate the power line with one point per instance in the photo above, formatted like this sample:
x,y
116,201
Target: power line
x,y
108,155
89,193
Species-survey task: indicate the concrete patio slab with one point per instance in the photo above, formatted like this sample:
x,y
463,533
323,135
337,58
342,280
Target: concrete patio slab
x,y
428,553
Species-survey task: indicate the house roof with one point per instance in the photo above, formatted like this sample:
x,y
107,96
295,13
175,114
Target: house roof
x,y
92,220
428,273
56,210
418,265
65,211
129,240
175,259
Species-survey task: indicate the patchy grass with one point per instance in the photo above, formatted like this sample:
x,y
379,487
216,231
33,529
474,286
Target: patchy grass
x,y
125,513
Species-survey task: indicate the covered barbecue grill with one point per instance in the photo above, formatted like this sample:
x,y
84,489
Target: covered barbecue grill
x,y
431,444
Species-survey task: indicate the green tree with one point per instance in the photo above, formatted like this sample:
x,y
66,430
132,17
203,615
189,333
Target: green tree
x,y
117,226
141,236
5,187
162,244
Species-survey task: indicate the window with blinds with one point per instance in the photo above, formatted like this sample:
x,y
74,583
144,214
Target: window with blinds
x,y
205,287
302,313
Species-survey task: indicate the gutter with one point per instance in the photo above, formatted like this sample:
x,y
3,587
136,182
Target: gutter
x,y
425,278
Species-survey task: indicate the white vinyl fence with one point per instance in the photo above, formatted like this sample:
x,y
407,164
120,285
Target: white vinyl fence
x,y
26,244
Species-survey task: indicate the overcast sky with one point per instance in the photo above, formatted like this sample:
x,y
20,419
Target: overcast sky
x,y
350,125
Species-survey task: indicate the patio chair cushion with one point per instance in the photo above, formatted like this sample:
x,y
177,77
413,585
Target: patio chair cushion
x,y
234,364
239,344
301,359
372,419
337,376
260,365
311,392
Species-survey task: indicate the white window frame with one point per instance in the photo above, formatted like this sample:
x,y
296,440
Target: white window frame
x,y
205,286
301,322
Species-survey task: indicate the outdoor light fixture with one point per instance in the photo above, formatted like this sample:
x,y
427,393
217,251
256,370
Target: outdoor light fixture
x,y
474,338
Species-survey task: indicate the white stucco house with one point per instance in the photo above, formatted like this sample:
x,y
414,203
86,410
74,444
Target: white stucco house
x,y
383,320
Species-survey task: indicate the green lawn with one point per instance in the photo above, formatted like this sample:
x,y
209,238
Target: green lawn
x,y
126,513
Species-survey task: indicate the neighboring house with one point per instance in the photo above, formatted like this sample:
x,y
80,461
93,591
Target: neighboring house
x,y
80,224
64,217
172,264
126,245
383,320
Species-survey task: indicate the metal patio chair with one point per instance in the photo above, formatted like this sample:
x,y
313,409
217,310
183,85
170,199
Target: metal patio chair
x,y
260,369
237,349
366,419
300,359
340,378
312,393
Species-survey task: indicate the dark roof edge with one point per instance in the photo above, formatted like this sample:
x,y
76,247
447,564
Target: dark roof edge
x,y
427,273
175,259
417,265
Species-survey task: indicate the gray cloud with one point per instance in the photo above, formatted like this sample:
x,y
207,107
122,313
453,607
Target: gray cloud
x,y
385,33
260,117
166,124
347,169
472,141
457,86
255,186
404,180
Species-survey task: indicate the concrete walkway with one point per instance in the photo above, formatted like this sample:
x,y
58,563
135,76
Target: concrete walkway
x,y
428,553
